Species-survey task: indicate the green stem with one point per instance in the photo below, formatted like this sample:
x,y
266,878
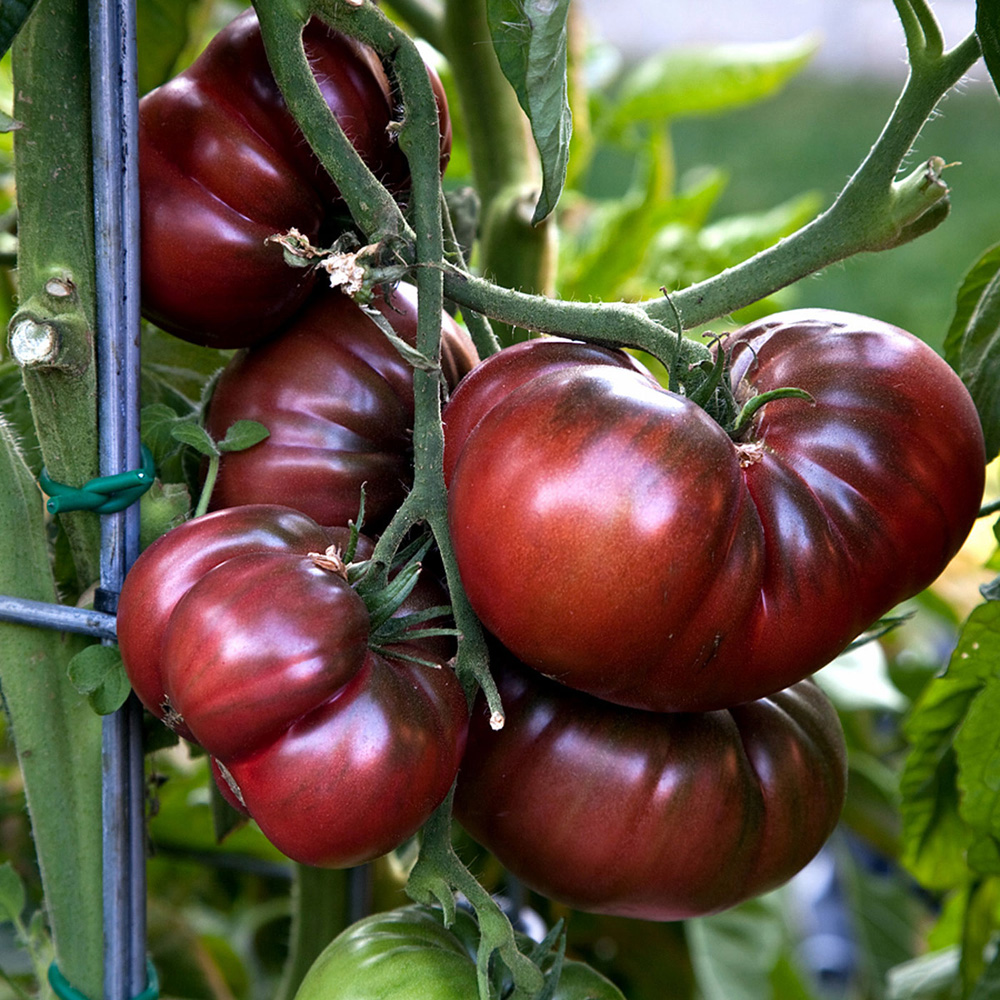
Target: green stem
x,y
871,213
320,911
56,734
52,335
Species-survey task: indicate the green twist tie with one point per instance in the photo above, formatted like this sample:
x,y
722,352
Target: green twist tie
x,y
65,991
104,495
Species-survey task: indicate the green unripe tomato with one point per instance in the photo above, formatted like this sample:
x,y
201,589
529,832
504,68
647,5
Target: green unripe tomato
x,y
408,954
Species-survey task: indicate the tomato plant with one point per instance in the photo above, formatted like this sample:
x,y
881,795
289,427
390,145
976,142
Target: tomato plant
x,y
614,537
409,952
337,399
641,814
239,629
224,167
712,554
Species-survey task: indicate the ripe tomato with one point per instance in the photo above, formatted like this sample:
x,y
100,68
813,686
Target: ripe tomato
x,y
409,953
223,166
658,816
337,398
236,633
615,538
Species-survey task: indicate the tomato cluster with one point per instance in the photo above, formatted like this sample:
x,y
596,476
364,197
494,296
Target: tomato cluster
x,y
657,587
675,586
223,167
239,632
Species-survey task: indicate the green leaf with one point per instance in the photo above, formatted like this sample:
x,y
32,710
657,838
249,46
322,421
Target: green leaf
x,y
929,977
701,81
979,361
988,30
13,13
977,746
935,836
12,896
195,436
242,435
97,672
734,953
973,285
162,33
530,40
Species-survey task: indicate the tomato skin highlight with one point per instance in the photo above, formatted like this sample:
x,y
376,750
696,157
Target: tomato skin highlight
x,y
234,634
337,399
613,537
656,816
223,167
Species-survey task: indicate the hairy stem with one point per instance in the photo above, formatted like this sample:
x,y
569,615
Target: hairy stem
x,y
56,734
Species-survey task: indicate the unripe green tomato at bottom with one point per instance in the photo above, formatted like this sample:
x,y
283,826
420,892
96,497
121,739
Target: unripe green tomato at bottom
x,y
408,954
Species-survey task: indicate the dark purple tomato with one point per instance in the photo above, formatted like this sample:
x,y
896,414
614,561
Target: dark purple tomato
x,y
223,167
641,814
239,629
337,399
614,537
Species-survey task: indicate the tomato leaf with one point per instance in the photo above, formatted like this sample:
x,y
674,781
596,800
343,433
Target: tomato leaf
x,y
12,896
988,987
977,746
530,40
988,30
243,434
734,952
973,285
936,834
97,672
979,361
13,13
195,436
700,81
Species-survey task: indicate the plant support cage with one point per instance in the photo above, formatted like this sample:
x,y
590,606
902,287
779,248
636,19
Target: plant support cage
x,y
114,101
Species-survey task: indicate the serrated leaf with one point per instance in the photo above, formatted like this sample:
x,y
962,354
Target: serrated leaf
x,y
530,40
13,13
988,31
700,81
195,436
242,435
935,837
98,673
162,33
12,895
973,285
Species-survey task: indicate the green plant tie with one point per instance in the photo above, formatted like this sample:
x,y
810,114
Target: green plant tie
x,y
104,495
63,989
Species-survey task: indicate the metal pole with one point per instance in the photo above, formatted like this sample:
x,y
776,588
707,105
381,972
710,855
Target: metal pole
x,y
116,214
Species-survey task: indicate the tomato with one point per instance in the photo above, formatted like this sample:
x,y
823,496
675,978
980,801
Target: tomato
x,y
223,166
337,398
658,816
408,953
614,537
235,632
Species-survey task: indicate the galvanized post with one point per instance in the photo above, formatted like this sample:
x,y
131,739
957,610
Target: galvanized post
x,y
116,214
